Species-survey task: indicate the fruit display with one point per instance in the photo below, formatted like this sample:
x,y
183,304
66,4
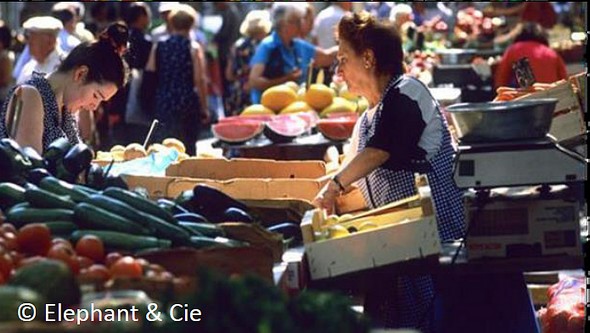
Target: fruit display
x,y
337,128
289,111
134,150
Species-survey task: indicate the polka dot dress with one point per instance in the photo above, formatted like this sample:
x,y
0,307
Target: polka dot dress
x,y
409,298
53,128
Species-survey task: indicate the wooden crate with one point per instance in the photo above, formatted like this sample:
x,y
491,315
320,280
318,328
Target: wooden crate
x,y
568,117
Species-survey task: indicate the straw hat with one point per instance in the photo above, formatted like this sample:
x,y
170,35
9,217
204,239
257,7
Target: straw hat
x,y
43,24
256,20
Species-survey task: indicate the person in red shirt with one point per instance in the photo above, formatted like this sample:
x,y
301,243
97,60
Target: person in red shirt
x,y
546,64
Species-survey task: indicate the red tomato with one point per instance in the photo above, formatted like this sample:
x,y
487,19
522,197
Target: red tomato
x,y
34,239
65,254
6,265
111,258
126,267
92,247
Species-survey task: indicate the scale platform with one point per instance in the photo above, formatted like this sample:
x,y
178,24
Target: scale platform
x,y
517,163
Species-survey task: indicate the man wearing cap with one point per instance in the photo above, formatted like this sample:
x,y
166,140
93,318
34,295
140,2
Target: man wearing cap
x,y
162,31
41,33
67,15
283,56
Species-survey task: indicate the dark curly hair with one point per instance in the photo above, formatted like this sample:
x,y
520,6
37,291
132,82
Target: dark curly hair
x,y
532,31
364,32
102,57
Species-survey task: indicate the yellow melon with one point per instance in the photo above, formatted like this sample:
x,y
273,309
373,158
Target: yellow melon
x,y
297,106
345,93
339,104
293,85
319,96
175,144
256,110
278,97
133,151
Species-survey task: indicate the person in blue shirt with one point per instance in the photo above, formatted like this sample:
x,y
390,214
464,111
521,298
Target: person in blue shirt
x,y
283,56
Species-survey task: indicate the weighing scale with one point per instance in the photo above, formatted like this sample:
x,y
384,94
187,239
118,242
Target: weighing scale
x,y
539,223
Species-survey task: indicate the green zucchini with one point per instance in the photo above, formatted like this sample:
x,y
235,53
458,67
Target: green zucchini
x,y
178,235
123,241
204,229
60,187
61,227
120,208
22,216
40,198
140,203
92,217
85,189
10,195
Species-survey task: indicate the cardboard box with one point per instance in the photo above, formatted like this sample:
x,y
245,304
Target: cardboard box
x,y
243,188
224,169
568,117
257,189
393,243
524,227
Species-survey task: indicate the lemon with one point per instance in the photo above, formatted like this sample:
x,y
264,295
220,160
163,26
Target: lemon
x,y
345,217
337,231
368,226
331,220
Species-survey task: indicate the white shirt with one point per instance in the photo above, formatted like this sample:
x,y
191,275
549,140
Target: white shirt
x,y
324,26
67,41
49,65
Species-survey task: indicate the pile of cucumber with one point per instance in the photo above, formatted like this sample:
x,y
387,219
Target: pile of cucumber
x,y
124,220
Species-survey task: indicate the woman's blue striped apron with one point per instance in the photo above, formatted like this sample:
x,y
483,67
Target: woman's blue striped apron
x,y
413,295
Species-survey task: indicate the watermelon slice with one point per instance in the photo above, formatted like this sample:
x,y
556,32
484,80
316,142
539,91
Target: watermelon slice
x,y
236,132
284,128
233,119
337,129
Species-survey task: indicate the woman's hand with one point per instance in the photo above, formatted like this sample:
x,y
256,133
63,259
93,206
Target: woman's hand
x,y
326,198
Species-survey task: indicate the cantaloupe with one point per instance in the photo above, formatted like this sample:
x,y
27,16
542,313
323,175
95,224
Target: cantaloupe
x,y
278,97
319,96
296,107
256,110
339,105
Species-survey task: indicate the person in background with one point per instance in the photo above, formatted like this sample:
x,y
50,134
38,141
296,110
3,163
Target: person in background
x,y
308,19
6,60
181,95
137,18
325,24
41,33
254,28
283,56
92,73
402,17
532,43
162,31
403,133
225,38
80,30
67,15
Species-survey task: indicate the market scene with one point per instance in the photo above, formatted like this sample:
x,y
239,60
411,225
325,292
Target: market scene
x,y
231,167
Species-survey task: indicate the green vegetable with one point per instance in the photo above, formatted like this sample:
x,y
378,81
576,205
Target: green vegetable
x,y
60,187
21,216
52,279
92,217
10,195
203,229
40,198
140,203
122,241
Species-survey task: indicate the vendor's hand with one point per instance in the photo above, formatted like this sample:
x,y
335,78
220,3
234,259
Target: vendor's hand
x,y
294,75
327,197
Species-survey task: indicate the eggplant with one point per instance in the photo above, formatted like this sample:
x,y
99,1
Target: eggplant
x,y
36,160
191,217
13,162
55,153
95,177
36,175
171,206
78,158
212,203
234,214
